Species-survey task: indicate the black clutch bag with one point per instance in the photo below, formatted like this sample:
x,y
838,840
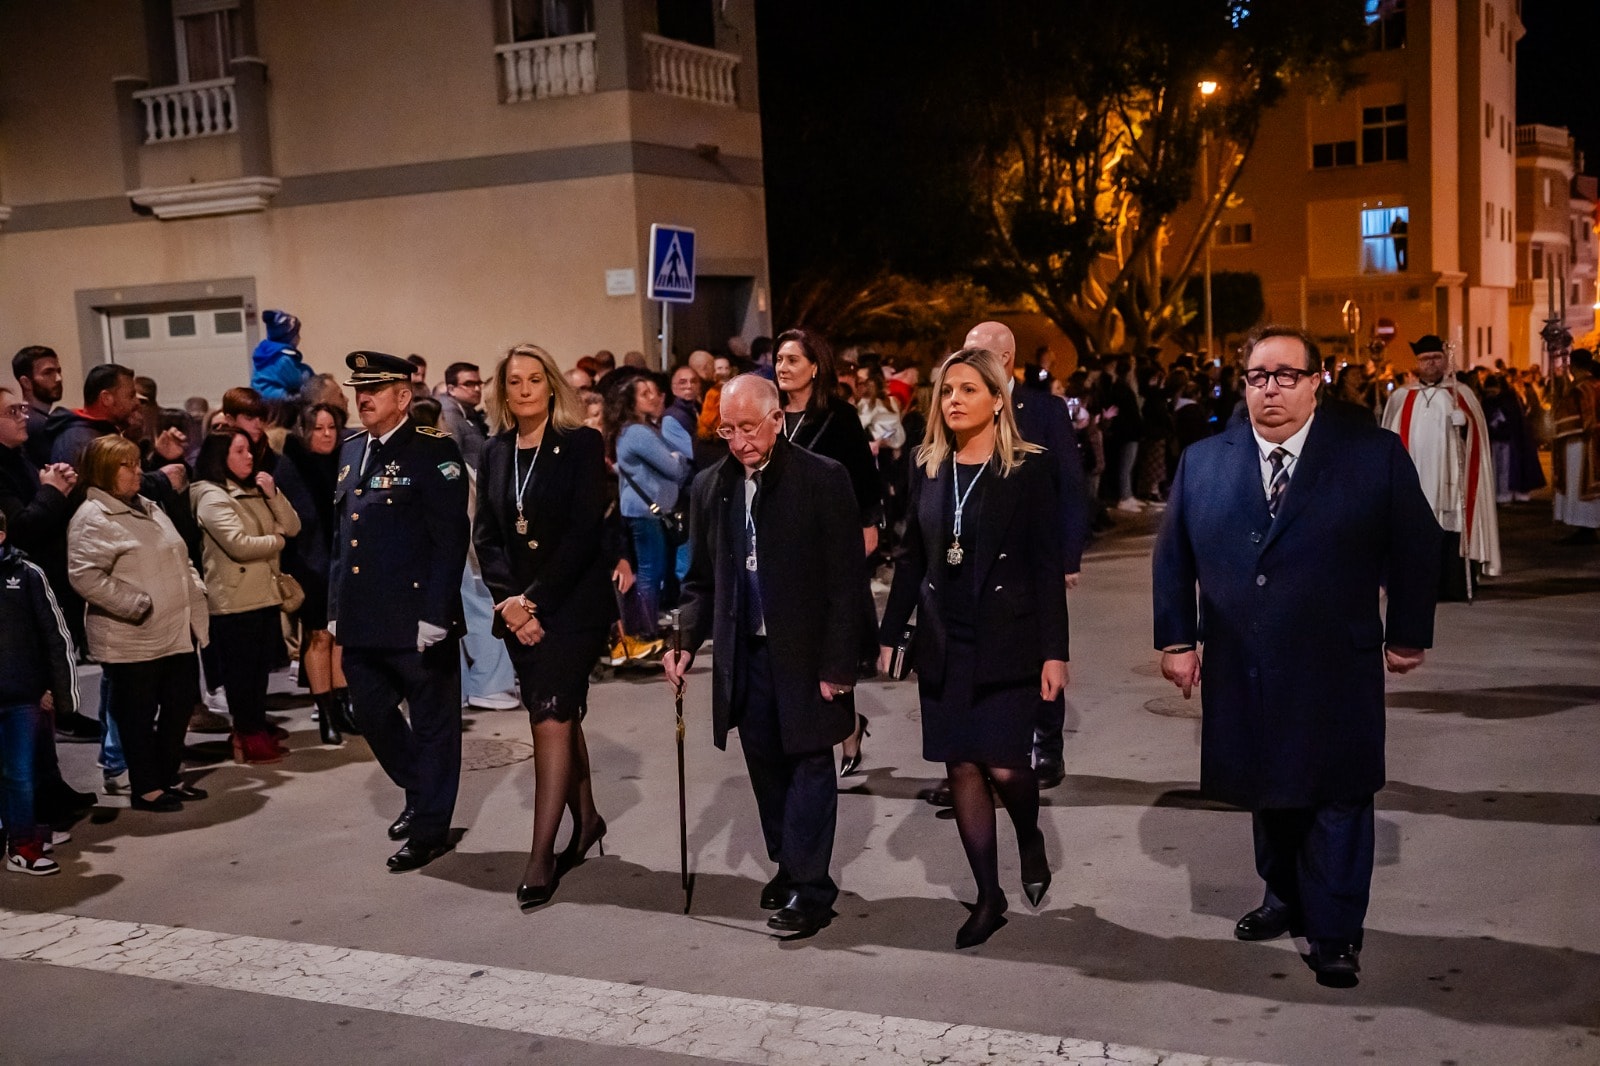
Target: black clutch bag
x,y
900,654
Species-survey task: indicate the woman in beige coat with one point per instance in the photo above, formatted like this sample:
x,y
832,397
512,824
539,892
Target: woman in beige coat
x,y
146,608
244,521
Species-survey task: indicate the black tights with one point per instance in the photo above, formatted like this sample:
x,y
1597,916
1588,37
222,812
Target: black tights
x,y
561,783
1019,792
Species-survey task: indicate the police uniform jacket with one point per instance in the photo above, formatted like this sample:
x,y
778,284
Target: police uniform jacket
x,y
1287,608
402,538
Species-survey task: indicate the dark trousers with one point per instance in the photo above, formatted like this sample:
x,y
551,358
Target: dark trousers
x,y
1458,577
422,756
796,793
1048,724
1317,862
151,703
247,645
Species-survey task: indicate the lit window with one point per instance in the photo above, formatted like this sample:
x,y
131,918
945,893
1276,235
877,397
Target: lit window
x,y
1383,239
1333,154
1383,133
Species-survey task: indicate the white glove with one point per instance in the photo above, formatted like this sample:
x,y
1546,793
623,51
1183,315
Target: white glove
x,y
428,635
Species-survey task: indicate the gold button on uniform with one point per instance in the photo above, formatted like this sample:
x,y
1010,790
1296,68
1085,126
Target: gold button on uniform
x,y
353,543
355,569
354,515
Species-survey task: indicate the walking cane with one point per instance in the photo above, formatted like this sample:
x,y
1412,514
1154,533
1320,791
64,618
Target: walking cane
x,y
683,792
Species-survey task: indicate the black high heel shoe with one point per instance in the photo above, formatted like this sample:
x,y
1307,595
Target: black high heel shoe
x,y
986,918
849,764
531,896
1035,870
578,849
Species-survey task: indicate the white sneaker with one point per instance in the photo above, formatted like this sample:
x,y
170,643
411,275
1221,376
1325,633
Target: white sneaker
x,y
57,836
216,701
116,784
38,866
504,701
1130,505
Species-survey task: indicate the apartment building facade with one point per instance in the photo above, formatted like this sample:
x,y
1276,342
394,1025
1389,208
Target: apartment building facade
x,y
446,177
1396,200
1556,244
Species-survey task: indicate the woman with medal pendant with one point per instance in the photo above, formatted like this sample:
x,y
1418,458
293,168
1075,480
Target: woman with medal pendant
x,y
818,420
980,564
542,499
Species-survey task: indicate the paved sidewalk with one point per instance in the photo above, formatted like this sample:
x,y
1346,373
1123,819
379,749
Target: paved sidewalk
x,y
1483,942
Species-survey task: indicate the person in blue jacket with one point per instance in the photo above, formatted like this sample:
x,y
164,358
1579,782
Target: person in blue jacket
x,y
279,370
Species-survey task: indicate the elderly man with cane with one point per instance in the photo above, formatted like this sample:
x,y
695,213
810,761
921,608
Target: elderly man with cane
x,y
776,578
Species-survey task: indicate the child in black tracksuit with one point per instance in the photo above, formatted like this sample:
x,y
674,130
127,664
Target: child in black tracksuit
x,y
37,674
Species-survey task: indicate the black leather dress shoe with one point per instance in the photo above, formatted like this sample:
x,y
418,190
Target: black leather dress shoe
x,y
775,893
1050,774
402,825
938,795
1263,923
797,916
415,855
1336,962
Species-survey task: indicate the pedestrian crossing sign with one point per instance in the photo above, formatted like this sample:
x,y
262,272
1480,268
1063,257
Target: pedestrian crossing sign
x,y
671,264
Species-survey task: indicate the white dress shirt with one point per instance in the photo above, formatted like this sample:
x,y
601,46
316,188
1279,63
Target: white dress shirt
x,y
1294,446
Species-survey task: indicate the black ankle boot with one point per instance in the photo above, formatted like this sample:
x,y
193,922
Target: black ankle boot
x,y
327,719
346,720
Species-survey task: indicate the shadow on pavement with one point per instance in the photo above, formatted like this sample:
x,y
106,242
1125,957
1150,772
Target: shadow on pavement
x,y
1510,702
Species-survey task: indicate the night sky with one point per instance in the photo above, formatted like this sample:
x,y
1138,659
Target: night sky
x,y
1556,70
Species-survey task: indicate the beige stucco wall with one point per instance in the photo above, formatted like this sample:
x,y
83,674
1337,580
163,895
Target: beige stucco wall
x,y
450,275
58,131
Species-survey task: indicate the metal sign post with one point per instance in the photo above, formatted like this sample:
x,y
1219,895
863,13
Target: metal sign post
x,y
671,276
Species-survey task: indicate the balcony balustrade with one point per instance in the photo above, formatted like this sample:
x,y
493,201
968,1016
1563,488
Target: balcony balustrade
x,y
197,109
555,66
692,72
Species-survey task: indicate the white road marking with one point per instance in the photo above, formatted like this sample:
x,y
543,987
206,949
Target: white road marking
x,y
570,1008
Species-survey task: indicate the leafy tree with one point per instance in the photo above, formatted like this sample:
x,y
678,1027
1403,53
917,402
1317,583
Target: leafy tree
x,y
1090,125
1237,304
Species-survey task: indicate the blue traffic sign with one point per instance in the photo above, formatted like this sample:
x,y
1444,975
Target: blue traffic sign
x,y
671,264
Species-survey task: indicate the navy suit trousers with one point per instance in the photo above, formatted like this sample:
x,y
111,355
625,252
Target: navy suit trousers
x,y
1317,862
422,756
796,794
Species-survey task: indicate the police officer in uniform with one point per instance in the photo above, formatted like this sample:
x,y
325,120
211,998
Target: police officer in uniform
x,y
394,598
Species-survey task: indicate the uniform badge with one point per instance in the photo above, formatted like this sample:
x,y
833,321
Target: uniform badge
x,y
429,431
450,470
344,471
392,470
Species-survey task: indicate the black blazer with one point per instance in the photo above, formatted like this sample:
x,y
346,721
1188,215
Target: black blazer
x,y
1022,602
568,576
1043,419
813,578
1292,691
835,433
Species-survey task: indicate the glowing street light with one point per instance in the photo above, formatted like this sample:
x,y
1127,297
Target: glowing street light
x,y
1208,88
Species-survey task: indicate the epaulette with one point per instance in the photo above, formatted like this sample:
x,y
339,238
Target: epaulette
x,y
429,431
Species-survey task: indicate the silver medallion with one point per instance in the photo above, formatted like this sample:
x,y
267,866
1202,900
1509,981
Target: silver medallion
x,y
954,554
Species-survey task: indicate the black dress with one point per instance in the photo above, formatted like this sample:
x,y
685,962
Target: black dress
x,y
963,721
558,559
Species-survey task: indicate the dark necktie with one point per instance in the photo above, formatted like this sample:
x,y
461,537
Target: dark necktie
x,y
1280,480
754,615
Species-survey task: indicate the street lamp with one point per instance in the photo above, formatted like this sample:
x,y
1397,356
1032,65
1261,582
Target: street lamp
x,y
1207,89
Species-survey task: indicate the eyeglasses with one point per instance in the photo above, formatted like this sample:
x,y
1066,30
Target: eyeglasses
x,y
727,432
1287,377
19,411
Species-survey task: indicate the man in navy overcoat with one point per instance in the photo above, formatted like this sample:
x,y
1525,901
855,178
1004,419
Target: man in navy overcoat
x,y
1278,538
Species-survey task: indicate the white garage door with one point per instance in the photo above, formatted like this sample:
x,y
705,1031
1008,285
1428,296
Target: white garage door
x,y
190,351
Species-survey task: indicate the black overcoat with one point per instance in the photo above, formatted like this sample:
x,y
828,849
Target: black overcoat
x,y
1043,419
1022,603
1287,609
568,576
813,578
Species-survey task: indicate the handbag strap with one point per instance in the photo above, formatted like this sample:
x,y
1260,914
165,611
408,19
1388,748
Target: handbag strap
x,y
655,508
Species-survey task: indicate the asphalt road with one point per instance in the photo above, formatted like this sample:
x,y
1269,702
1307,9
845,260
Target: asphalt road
x,y
261,926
